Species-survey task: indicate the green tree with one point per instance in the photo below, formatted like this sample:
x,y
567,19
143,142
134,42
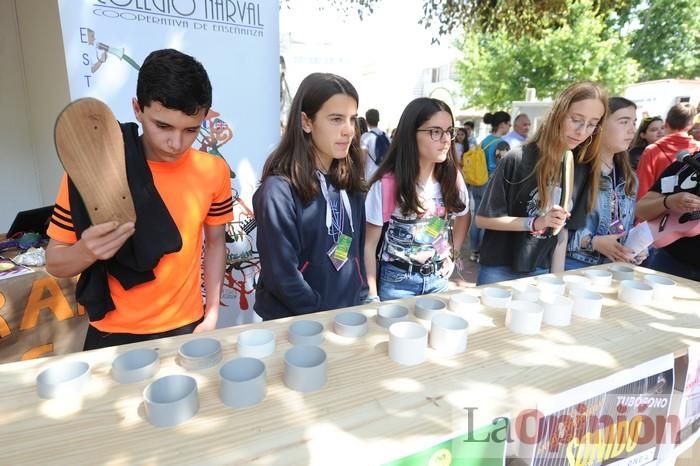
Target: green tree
x,y
522,17
666,42
497,67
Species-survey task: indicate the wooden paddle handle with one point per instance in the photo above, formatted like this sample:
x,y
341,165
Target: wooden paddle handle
x,y
90,146
567,182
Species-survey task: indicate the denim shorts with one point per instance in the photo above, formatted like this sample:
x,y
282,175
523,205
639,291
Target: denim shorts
x,y
500,273
395,283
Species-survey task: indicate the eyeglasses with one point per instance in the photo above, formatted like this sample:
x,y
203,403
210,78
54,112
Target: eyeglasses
x,y
650,119
580,124
437,133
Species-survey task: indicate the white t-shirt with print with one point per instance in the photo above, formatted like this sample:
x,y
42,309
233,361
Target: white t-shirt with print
x,y
408,239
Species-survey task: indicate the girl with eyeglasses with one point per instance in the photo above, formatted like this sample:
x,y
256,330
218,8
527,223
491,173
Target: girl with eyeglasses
x,y
651,129
310,206
600,240
417,207
520,208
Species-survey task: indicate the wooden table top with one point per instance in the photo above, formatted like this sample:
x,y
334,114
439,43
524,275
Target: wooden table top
x,y
372,410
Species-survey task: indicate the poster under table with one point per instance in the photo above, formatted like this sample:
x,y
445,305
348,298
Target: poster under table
x,y
619,420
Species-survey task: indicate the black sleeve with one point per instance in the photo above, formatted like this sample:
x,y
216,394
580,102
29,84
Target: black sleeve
x,y
672,170
579,211
495,201
279,247
364,291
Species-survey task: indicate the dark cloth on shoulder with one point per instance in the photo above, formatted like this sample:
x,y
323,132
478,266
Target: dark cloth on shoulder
x,y
155,234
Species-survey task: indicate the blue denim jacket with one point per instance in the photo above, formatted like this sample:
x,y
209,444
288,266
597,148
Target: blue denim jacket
x,y
599,220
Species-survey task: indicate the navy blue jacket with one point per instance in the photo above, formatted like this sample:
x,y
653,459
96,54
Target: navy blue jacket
x,y
297,276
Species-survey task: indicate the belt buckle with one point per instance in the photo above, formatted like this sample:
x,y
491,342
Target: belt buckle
x,y
427,269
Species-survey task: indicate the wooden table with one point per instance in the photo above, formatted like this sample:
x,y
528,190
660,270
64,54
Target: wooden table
x,y
372,410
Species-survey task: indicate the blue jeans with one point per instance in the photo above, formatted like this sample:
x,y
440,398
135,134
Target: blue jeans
x,y
665,262
500,273
395,283
476,235
572,264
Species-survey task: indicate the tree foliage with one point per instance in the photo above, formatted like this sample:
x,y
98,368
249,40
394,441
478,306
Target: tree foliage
x,y
512,44
666,42
521,17
496,67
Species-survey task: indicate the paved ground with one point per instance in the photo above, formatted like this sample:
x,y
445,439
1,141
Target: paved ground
x,y
467,277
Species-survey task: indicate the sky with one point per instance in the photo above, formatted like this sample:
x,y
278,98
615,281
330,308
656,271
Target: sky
x,y
383,55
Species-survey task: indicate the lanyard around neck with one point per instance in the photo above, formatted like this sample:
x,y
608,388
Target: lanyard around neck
x,y
343,197
614,201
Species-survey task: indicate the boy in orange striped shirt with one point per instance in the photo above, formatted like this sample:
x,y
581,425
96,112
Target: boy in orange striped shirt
x,y
173,98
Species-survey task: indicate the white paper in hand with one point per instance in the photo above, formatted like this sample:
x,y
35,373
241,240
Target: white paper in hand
x,y
639,238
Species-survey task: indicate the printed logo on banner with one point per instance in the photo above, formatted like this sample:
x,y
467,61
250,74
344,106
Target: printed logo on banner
x,y
623,426
231,17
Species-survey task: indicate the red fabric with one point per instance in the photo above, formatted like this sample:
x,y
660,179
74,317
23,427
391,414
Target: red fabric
x,y
658,156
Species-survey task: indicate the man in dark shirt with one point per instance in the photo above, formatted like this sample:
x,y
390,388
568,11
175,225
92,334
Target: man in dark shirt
x,y
675,192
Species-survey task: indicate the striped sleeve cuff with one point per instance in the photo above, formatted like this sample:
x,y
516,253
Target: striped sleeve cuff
x,y
61,217
218,209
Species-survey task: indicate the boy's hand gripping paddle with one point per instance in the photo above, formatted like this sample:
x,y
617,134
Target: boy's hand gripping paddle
x,y
90,147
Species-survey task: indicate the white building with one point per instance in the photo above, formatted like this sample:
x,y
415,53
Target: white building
x,y
656,97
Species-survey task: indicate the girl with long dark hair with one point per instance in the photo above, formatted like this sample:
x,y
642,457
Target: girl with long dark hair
x,y
421,199
310,206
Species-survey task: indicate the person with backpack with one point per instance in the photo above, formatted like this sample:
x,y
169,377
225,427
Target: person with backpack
x,y
520,209
310,206
478,164
374,143
417,207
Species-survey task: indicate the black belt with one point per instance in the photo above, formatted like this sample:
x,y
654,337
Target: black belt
x,y
428,268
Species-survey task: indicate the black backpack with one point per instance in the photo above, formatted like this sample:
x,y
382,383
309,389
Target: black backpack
x,y
381,147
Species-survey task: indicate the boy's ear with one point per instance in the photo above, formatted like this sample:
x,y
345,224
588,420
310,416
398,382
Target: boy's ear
x,y
305,123
137,109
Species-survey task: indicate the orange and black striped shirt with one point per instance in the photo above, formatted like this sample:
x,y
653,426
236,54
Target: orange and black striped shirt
x,y
197,191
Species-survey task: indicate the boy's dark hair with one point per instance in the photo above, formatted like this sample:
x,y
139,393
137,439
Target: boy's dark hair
x,y
680,116
470,124
372,116
176,80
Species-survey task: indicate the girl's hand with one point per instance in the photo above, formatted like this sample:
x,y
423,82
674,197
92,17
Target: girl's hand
x,y
555,218
610,247
641,257
448,266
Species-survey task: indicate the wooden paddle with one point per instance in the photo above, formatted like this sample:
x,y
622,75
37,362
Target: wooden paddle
x,y
567,188
567,182
90,147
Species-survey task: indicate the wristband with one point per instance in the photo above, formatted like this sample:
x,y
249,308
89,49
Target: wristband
x,y
665,199
590,244
531,224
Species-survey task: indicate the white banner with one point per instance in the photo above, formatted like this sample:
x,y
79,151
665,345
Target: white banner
x,y
105,42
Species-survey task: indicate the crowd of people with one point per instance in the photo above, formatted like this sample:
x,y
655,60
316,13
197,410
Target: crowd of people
x,y
348,215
